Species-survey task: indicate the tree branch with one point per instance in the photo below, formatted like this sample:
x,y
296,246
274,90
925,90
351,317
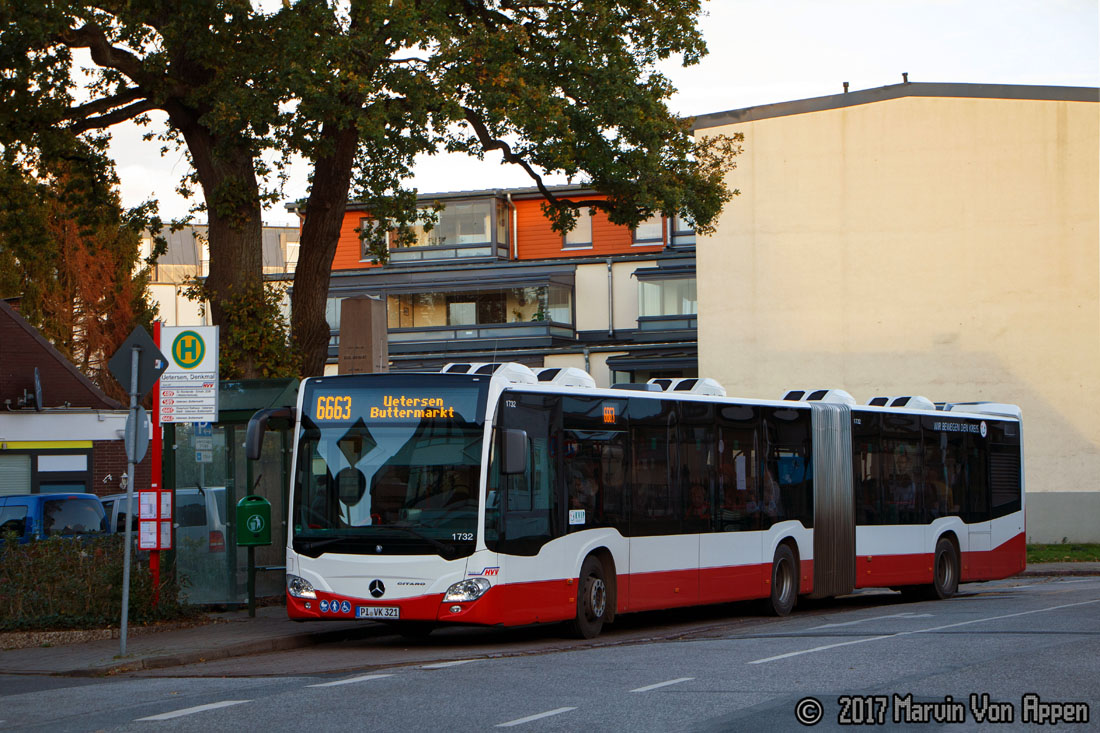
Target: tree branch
x,y
105,104
103,53
111,118
488,142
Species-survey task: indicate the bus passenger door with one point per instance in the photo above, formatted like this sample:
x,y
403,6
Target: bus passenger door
x,y
529,508
977,563
529,500
664,561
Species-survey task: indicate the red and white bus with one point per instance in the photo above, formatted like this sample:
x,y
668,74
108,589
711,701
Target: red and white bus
x,y
492,494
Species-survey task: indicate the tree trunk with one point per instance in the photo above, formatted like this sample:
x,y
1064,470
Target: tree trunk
x,y
325,209
227,175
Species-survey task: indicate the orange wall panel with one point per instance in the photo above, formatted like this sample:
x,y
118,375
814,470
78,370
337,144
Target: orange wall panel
x,y
347,246
538,241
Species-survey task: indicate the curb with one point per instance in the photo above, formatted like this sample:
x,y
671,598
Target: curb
x,y
243,649
1039,572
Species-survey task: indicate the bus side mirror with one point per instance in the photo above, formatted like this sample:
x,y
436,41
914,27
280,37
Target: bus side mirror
x,y
513,452
257,425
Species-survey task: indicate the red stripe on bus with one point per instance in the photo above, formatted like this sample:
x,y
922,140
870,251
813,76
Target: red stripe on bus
x,y
547,601
1004,561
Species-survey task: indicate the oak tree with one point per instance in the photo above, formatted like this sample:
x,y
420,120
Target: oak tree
x,y
359,88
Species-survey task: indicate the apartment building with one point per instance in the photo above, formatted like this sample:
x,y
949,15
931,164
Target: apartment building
x,y
493,282
188,255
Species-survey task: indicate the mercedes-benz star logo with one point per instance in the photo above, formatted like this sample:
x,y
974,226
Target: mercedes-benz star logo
x,y
377,588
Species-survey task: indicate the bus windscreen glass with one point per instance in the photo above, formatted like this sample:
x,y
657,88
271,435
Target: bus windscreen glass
x,y
389,464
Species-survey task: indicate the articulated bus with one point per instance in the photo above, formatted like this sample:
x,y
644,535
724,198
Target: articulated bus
x,y
492,494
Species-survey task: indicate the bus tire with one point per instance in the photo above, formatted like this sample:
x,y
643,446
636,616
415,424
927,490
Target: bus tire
x,y
945,570
784,582
592,598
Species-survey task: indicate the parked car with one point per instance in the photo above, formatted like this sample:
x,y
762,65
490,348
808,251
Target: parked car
x,y
37,516
199,518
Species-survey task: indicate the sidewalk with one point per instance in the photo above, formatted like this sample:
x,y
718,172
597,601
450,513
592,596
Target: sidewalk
x,y
230,634
1062,568
234,634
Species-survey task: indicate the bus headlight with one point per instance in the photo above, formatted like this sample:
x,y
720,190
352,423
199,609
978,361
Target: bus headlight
x,y
299,587
467,590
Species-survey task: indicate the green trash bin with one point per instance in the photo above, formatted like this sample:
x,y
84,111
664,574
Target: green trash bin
x,y
253,521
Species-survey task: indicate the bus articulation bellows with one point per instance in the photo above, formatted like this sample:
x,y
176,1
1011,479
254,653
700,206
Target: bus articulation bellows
x,y
492,494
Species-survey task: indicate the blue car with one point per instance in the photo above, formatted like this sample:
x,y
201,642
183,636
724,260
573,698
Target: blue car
x,y
38,516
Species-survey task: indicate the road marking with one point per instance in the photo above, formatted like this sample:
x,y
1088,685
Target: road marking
x,y
920,631
531,718
647,688
350,680
909,614
444,665
196,709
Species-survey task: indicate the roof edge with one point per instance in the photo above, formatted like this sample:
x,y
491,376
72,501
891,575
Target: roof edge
x,y
897,91
19,320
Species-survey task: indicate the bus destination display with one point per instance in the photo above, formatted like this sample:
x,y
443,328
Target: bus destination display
x,y
393,405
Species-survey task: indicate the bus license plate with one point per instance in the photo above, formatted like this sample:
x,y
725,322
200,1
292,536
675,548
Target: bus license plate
x,y
377,612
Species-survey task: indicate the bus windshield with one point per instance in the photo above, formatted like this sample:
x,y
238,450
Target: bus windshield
x,y
389,465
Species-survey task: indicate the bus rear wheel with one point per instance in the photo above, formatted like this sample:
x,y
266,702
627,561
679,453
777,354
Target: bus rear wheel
x,y
945,570
592,598
784,582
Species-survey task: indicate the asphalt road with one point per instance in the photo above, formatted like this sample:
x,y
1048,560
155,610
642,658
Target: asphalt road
x,y
1010,651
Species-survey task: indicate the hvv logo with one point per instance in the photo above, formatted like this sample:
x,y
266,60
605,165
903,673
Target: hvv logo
x,y
487,572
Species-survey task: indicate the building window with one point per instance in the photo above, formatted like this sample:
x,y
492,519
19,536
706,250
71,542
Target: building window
x,y
459,223
650,232
367,227
667,297
580,237
291,256
332,313
683,234
489,306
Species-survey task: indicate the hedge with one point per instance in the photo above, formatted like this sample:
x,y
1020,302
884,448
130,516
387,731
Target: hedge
x,y
60,583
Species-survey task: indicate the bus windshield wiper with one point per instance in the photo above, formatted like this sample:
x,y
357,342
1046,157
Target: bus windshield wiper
x,y
322,541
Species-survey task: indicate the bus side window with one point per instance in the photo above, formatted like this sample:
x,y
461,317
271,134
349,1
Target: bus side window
x,y
697,446
656,498
738,468
786,490
867,467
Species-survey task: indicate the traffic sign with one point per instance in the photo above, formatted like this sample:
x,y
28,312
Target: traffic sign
x,y
136,438
151,362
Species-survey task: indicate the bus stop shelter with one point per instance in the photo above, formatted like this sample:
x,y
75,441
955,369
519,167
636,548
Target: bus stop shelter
x,y
205,468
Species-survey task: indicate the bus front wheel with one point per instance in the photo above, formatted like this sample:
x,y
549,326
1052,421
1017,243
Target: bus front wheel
x,y
784,582
592,598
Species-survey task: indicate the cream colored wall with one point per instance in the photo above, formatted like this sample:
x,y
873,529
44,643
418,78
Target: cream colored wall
x,y
173,308
597,363
935,246
591,290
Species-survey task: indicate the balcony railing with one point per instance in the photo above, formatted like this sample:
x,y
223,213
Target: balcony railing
x,y
488,331
668,323
434,253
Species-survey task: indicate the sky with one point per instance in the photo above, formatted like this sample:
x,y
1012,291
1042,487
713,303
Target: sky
x,y
763,52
